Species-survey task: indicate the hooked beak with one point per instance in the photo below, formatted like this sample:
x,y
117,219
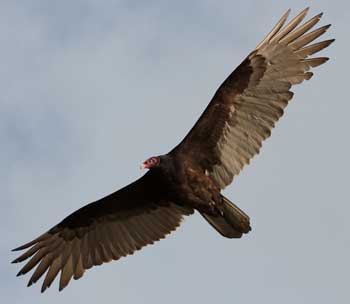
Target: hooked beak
x,y
143,167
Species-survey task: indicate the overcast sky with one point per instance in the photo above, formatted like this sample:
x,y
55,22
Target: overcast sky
x,y
90,89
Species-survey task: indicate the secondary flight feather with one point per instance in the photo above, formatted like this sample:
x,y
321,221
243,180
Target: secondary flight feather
x,y
228,134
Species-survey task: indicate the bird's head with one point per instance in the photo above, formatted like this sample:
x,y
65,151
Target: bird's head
x,y
151,162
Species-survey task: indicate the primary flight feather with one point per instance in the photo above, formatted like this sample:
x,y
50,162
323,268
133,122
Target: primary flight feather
x,y
228,134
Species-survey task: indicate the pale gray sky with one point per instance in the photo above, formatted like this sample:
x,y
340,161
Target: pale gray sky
x,y
89,89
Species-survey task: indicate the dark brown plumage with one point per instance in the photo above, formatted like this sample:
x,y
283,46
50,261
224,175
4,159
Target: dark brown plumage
x,y
227,135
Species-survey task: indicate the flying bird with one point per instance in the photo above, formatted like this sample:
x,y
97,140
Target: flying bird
x,y
190,177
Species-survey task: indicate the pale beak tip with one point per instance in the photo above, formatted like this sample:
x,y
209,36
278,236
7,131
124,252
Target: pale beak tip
x,y
142,167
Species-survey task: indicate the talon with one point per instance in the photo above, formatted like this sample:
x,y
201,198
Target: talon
x,y
212,208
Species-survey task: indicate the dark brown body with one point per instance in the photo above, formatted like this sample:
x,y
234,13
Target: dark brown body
x,y
189,184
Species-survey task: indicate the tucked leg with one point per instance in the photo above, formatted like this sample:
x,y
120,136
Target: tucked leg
x,y
199,204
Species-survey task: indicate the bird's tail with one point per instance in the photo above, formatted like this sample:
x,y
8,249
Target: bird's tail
x,y
232,222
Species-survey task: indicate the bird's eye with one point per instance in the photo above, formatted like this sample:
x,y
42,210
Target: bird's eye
x,y
153,161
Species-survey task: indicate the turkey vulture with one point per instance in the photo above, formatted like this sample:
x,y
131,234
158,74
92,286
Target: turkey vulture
x,y
190,177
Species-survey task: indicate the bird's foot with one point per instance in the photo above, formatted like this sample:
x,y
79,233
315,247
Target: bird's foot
x,y
212,207
214,210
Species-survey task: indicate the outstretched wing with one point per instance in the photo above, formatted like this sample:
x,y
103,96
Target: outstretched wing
x,y
105,230
251,100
